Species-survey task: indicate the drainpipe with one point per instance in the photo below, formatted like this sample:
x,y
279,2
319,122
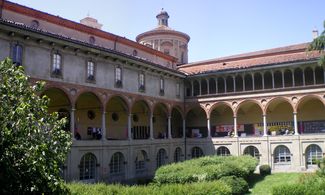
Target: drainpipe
x,y
1,7
184,127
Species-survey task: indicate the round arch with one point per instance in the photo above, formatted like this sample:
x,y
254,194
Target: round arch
x,y
196,152
223,151
160,121
176,122
313,153
221,119
196,125
140,121
252,151
87,170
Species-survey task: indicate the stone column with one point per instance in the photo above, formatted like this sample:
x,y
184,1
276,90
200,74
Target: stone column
x,y
217,90
184,128
130,126
72,121
192,90
295,123
234,81
272,80
303,78
104,125
235,126
282,72
314,76
209,128
151,126
244,83
200,87
264,125
293,78
263,83
169,127
225,82
208,86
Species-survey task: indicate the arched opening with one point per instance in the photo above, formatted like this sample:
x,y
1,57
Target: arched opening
x,y
313,154
311,115
141,163
279,117
298,74
221,85
268,80
252,151
196,123
258,81
212,86
178,155
140,127
221,120
161,157
87,167
248,82
160,122
196,152
223,151
59,102
319,74
230,84
204,87
278,79
309,76
117,167
282,155
177,124
288,78
239,83
196,88
249,119
116,119
188,89
89,117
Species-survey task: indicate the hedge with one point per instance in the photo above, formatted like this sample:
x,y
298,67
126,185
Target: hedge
x,y
202,188
205,169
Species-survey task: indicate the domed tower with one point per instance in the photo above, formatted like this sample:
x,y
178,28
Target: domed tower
x,y
165,39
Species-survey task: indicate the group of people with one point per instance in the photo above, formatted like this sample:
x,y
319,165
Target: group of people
x,y
96,133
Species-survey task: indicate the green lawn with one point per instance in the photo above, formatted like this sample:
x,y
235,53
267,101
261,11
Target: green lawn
x,y
263,186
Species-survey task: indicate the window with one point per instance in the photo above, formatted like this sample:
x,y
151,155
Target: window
x,y
92,40
118,77
56,64
223,151
177,155
313,154
34,24
135,53
166,51
253,151
90,70
161,158
161,86
197,152
140,160
178,90
88,167
17,54
282,155
141,82
116,165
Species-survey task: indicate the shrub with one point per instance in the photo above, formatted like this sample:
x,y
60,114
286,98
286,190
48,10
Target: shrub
x,y
237,185
265,170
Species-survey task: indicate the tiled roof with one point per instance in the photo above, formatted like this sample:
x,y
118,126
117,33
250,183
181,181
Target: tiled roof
x,y
288,54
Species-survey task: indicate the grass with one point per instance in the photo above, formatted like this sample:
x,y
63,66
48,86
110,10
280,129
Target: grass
x,y
263,186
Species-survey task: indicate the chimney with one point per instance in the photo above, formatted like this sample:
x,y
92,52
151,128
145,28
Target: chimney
x,y
315,33
91,22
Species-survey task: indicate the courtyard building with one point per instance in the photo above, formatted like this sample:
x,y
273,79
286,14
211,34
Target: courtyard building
x,y
135,106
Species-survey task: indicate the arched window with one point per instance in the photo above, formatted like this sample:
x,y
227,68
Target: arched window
x,y
298,75
288,78
116,165
196,88
88,167
17,54
204,87
319,74
313,153
178,154
221,85
161,158
90,70
140,160
258,81
239,83
197,152
309,76
223,151
268,81
282,155
230,84
212,86
252,151
248,82
56,63
278,79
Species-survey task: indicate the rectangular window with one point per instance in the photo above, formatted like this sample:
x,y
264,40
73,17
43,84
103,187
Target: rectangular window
x,y
90,70
17,54
178,90
118,77
162,86
56,64
141,82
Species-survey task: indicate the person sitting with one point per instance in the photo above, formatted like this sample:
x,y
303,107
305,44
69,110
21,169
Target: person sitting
x,y
77,136
99,134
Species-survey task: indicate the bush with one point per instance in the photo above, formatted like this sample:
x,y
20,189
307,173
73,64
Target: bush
x,y
265,170
205,169
237,185
202,188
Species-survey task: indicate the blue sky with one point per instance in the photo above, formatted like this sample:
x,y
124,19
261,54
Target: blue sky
x,y
217,27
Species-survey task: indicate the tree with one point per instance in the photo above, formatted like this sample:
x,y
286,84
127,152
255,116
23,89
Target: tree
x,y
33,144
319,45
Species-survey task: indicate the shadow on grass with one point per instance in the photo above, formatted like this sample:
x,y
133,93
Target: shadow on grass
x,y
253,179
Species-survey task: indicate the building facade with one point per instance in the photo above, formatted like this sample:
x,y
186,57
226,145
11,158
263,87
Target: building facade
x,y
132,107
